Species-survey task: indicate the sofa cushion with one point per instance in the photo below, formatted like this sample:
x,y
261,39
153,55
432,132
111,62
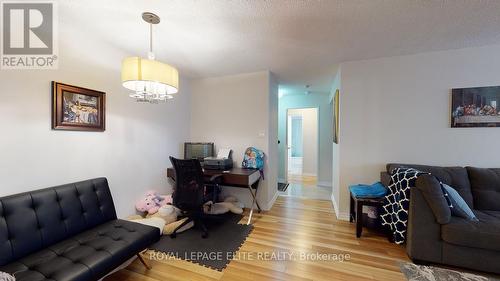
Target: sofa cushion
x,y
452,176
485,186
484,234
431,190
87,256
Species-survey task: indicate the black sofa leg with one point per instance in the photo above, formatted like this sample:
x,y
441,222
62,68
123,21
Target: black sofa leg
x,y
148,267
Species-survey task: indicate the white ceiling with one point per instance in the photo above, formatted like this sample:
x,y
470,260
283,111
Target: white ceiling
x,y
301,41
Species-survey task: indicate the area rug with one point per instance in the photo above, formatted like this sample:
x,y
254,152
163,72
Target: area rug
x,y
225,237
415,272
282,186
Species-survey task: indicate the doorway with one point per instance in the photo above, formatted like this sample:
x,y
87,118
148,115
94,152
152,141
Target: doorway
x,y
302,146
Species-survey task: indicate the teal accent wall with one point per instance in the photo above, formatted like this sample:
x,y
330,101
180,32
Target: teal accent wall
x,y
297,142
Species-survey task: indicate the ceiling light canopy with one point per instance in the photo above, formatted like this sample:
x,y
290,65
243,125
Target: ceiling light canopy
x,y
149,80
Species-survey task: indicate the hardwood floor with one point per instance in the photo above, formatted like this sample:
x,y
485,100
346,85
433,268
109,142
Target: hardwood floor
x,y
307,181
309,192
297,226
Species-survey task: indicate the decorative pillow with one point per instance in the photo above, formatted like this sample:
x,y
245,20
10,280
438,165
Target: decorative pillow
x,y
446,196
6,277
458,206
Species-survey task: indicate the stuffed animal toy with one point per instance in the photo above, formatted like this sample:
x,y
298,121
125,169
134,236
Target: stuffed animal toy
x,y
155,222
166,223
6,277
222,207
234,201
152,202
169,228
168,213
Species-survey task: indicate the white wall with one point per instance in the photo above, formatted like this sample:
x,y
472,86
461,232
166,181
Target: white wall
x,y
272,139
237,112
322,102
133,151
397,109
309,139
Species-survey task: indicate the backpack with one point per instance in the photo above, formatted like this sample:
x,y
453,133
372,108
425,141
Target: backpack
x,y
253,159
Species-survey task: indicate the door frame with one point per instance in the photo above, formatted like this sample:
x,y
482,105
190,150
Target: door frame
x,y
286,137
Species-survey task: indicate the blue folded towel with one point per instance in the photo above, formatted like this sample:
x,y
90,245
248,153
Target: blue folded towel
x,y
375,190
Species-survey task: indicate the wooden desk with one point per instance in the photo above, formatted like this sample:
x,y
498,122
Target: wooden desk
x,y
236,177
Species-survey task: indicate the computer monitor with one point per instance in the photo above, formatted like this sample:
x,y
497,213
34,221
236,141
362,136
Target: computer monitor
x,y
198,150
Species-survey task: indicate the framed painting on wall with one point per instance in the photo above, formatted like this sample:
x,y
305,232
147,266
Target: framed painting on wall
x,y
475,107
336,116
77,109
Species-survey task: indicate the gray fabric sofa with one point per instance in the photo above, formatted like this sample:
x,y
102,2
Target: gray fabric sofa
x,y
435,236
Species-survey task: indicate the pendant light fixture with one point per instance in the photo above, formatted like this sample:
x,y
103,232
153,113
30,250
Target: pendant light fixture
x,y
149,80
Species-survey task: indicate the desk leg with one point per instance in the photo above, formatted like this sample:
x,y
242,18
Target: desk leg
x,y
254,202
255,186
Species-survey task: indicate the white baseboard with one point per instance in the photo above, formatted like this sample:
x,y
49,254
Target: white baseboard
x,y
344,216
325,184
270,204
335,207
282,180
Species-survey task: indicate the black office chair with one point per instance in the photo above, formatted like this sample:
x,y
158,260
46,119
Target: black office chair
x,y
190,190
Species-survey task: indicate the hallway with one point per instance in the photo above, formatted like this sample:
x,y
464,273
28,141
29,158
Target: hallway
x,y
306,187
303,185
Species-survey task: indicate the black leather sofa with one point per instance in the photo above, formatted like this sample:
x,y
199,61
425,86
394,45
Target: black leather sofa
x,y
435,236
68,232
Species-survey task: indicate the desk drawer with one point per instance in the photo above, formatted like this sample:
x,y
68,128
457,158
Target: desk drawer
x,y
240,180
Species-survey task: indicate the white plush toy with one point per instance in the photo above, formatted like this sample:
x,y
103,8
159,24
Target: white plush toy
x,y
6,277
165,219
168,213
156,222
229,204
234,201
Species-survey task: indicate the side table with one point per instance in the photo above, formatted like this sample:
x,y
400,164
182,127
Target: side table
x,y
356,210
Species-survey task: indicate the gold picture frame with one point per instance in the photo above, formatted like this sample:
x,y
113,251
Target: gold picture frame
x,y
336,123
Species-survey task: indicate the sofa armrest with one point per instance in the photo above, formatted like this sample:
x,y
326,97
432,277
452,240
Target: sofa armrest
x,y
423,241
385,178
433,195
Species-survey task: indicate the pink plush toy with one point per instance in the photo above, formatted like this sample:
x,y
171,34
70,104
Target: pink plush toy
x,y
152,202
